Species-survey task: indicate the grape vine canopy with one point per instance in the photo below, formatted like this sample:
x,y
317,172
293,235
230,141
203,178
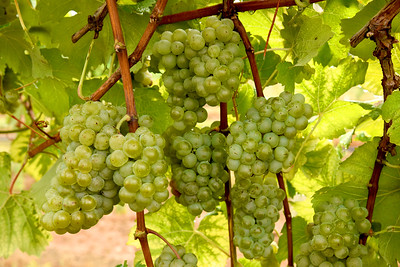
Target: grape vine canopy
x,y
215,121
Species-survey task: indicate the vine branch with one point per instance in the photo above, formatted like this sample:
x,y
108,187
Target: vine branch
x,y
378,30
250,54
95,23
288,217
137,54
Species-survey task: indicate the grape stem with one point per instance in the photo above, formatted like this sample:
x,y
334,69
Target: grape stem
x,y
377,29
137,54
288,217
17,175
120,48
250,54
150,231
54,139
95,23
83,74
272,26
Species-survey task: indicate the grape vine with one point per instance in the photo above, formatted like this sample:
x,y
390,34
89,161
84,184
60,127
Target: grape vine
x,y
273,147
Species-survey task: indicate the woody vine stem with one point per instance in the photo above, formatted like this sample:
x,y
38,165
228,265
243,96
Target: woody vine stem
x,y
377,29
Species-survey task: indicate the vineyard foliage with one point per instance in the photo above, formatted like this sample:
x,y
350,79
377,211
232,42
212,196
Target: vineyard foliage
x,y
308,53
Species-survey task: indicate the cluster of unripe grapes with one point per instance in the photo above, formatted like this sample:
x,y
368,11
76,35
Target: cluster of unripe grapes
x,y
102,167
265,140
335,235
257,201
169,259
83,189
198,170
140,165
200,67
8,12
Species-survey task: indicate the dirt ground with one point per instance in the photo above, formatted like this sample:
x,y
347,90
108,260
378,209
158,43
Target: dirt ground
x,y
104,245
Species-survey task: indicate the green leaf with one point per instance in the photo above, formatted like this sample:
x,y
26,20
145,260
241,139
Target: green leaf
x,y
338,117
360,164
287,75
149,101
311,36
391,106
12,50
40,66
206,237
19,225
352,25
390,112
329,83
50,97
334,12
299,232
19,222
244,100
38,190
5,172
266,66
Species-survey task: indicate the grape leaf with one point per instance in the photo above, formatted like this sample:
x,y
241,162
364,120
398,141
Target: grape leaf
x,y
38,190
337,117
19,222
329,83
12,47
390,112
244,100
334,12
40,66
391,106
50,97
311,36
361,163
388,196
299,232
206,237
287,75
266,66
149,101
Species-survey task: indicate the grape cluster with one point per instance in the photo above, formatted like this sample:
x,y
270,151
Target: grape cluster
x,y
200,67
169,259
140,165
8,12
263,142
335,234
83,189
257,202
198,170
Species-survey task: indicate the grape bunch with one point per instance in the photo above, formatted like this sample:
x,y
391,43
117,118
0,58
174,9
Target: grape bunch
x,y
257,202
169,259
140,165
265,140
335,234
198,170
8,12
200,67
83,189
